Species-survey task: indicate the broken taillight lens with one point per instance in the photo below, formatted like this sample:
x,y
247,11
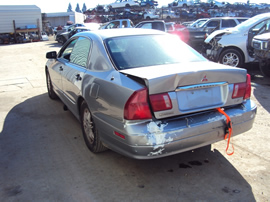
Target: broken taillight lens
x,y
137,107
242,89
160,102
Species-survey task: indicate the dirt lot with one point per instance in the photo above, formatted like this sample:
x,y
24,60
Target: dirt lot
x,y
43,156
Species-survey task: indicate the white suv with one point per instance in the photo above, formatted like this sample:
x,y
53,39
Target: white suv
x,y
232,46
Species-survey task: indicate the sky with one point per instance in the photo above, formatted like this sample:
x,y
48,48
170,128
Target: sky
x,y
52,6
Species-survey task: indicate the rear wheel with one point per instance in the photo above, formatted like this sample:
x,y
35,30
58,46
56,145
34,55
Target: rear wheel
x,y
90,132
265,68
231,57
51,92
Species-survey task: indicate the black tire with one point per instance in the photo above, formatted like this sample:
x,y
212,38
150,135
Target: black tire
x,y
231,57
185,6
168,17
127,5
148,18
265,68
50,89
90,132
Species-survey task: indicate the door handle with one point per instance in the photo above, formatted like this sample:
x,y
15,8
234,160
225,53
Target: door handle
x,y
78,77
61,68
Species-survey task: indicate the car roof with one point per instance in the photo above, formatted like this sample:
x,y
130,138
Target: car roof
x,y
110,33
228,18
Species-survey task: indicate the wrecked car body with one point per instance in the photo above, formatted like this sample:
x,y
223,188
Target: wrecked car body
x,y
232,46
261,45
146,94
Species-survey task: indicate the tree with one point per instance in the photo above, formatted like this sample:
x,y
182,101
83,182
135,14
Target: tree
x,y
84,8
69,8
78,9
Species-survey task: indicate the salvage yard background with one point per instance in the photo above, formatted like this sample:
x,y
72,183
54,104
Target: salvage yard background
x,y
43,156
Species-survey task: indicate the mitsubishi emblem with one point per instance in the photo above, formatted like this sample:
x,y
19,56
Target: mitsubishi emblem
x,y
204,78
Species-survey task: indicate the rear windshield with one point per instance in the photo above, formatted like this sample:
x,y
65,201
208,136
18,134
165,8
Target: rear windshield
x,y
149,50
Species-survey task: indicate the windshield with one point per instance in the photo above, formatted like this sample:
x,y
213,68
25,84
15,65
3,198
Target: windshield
x,y
149,50
248,23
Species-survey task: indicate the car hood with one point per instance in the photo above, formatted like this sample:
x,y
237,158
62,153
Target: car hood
x,y
263,37
218,32
166,78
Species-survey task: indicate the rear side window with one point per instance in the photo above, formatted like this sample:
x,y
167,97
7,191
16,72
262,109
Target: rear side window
x,y
213,24
79,55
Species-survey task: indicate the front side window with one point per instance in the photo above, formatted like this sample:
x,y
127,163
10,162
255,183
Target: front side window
x,y
65,53
149,50
228,23
112,25
213,24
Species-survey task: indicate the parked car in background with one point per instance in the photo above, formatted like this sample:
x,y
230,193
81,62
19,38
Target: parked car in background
x,y
148,3
156,24
198,35
134,16
233,46
219,23
261,45
185,15
44,36
150,15
122,23
147,107
63,37
181,3
123,4
167,14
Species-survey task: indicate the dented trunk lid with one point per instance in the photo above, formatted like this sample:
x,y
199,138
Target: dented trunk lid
x,y
193,86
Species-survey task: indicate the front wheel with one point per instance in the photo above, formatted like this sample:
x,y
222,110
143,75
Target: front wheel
x,y
90,132
51,92
231,57
265,68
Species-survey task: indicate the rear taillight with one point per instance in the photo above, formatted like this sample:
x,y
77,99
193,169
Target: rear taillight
x,y
160,102
242,89
137,106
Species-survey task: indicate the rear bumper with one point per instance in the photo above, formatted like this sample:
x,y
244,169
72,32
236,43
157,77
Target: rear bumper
x,y
155,139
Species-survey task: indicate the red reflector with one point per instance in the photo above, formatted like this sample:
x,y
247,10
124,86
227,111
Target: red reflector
x,y
242,89
137,107
119,135
160,102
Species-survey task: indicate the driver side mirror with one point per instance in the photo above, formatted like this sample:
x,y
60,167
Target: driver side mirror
x,y
51,55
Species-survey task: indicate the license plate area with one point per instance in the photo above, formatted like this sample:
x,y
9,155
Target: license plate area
x,y
202,96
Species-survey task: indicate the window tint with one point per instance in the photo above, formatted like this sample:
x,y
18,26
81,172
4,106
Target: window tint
x,y
228,23
80,52
65,54
213,24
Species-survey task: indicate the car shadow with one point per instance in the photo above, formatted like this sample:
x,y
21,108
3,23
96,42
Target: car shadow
x,y
43,157
261,85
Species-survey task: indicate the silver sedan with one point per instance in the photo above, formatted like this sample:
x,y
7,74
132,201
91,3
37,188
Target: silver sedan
x,y
146,94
